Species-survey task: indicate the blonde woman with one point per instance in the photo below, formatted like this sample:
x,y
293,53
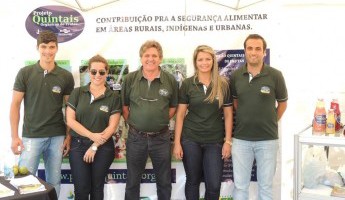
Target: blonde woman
x,y
202,137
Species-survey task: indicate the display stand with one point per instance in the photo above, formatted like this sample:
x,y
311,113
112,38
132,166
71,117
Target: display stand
x,y
305,137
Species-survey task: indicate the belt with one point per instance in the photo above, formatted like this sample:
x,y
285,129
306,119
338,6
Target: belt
x,y
147,133
82,140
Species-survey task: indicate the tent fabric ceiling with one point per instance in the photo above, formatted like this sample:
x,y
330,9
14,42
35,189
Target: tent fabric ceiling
x,y
85,5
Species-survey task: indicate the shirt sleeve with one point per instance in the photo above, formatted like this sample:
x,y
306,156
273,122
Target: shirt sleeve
x,y
70,84
233,91
73,99
281,90
183,97
227,98
125,91
20,83
116,104
174,97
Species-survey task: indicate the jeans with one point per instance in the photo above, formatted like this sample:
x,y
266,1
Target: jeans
x,y
139,147
89,178
202,160
243,154
51,149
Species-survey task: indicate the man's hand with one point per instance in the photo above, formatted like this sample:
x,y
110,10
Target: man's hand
x,y
17,146
66,145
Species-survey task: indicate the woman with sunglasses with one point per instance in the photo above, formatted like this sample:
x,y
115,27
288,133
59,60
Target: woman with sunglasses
x,y
93,114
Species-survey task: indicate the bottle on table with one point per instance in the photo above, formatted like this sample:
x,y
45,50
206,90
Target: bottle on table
x,y
319,121
330,123
335,107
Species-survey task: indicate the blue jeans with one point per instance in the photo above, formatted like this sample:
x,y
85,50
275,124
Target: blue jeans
x,y
51,149
243,154
202,160
89,178
139,147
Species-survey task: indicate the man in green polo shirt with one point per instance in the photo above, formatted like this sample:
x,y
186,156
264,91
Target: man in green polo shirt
x,y
260,100
43,86
150,97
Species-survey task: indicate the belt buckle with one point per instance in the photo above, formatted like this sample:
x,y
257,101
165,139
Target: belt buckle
x,y
151,133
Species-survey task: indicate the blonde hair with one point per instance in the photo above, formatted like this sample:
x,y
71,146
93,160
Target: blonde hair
x,y
219,83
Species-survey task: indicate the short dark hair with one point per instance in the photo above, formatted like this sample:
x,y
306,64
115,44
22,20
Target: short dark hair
x,y
255,36
46,36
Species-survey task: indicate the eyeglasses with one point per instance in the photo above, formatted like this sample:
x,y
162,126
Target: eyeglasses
x,y
145,99
94,72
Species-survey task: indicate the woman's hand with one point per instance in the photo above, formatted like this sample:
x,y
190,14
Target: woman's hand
x,y
226,150
89,156
98,138
178,151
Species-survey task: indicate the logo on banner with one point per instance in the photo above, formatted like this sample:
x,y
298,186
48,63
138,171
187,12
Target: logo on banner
x,y
67,23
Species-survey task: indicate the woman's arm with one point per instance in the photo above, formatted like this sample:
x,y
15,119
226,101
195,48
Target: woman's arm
x,y
180,115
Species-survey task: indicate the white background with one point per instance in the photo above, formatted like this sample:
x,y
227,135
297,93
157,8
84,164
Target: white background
x,y
305,37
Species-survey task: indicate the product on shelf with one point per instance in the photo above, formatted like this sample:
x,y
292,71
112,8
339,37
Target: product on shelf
x,y
330,122
319,121
335,107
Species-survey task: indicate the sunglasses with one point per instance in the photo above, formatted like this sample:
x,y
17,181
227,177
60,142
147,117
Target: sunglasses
x,y
94,72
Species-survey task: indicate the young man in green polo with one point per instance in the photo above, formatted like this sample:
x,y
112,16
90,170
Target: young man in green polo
x,y
43,86
260,100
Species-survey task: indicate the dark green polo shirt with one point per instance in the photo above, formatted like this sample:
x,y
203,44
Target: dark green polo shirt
x,y
93,116
256,115
43,99
149,104
204,122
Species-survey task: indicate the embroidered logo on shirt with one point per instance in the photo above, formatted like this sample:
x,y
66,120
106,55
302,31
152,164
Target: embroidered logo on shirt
x,y
56,89
163,92
265,90
104,108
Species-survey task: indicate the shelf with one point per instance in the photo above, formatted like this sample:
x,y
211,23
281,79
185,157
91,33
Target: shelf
x,y
305,137
321,192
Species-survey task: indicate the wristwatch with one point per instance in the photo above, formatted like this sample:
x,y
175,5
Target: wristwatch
x,y
94,148
228,142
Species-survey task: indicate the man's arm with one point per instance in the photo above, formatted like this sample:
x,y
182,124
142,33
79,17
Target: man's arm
x,y
281,109
17,144
125,112
235,104
172,112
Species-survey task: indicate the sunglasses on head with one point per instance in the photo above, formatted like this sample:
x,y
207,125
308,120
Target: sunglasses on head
x,y
94,72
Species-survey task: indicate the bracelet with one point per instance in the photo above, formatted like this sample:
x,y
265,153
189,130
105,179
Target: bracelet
x,y
228,142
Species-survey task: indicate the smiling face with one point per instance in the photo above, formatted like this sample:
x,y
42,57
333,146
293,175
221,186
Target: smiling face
x,y
47,52
204,62
98,73
255,52
151,59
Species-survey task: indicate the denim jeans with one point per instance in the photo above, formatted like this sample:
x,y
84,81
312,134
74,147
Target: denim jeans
x,y
139,147
202,160
89,178
243,154
51,149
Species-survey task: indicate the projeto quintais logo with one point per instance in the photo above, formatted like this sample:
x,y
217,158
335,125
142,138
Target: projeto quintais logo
x,y
65,22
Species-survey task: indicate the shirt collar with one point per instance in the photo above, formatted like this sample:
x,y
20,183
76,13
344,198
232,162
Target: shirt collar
x,y
264,70
86,89
141,75
40,69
